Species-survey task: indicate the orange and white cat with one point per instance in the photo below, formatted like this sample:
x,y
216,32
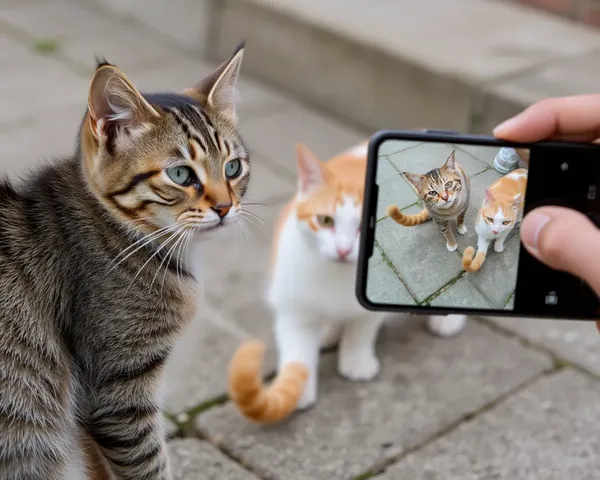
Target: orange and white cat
x,y
312,292
500,212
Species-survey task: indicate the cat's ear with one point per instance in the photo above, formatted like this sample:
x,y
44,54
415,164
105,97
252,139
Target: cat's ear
x,y
489,196
517,200
217,91
414,179
113,101
450,163
311,172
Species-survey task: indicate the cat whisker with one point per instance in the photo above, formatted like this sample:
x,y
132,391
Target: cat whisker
x,y
162,262
255,223
169,256
152,256
247,232
259,204
180,251
253,215
148,238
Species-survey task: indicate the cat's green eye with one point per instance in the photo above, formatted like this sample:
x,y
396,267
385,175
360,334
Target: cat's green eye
x,y
432,193
448,184
233,168
326,221
181,175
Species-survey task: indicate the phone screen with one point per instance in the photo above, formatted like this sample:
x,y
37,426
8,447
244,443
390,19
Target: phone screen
x,y
444,218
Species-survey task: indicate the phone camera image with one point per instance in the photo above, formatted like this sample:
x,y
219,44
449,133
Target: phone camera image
x,y
447,225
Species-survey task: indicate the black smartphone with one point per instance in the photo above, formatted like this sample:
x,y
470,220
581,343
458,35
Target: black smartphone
x,y
441,218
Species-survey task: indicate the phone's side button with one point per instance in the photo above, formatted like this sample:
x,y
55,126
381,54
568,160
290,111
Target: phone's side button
x,y
441,132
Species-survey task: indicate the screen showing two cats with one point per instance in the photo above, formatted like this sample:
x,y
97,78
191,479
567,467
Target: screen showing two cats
x,y
447,225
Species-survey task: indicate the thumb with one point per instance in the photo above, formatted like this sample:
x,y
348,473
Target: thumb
x,y
565,240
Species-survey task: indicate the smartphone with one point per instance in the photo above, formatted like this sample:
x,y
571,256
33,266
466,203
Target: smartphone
x,y
441,217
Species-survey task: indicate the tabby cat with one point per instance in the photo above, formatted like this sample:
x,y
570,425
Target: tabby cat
x,y
312,293
94,284
500,212
445,193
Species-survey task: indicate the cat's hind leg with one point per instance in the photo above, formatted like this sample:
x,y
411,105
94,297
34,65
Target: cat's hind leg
x,y
356,357
298,340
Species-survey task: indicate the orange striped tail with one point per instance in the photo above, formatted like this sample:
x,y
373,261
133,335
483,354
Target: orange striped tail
x,y
472,262
253,399
407,220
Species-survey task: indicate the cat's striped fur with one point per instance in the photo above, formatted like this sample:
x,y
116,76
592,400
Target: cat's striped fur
x,y
94,287
445,193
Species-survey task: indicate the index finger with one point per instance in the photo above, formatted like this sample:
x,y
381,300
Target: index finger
x,y
575,118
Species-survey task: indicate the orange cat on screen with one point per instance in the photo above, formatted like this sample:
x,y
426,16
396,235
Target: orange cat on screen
x,y
500,212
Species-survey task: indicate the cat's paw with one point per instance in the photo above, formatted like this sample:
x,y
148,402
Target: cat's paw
x,y
359,367
462,229
446,326
452,247
498,247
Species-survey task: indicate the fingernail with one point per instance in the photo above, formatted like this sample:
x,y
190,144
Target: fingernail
x,y
533,225
504,125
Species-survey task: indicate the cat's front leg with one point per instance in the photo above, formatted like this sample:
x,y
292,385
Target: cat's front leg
x,y
298,338
499,242
357,359
444,227
127,423
460,223
483,244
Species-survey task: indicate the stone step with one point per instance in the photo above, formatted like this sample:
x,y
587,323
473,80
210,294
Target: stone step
x,y
463,65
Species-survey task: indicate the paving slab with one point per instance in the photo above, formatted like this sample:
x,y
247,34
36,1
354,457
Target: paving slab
x,y
576,341
393,146
193,459
275,134
80,33
196,372
426,384
485,154
36,141
393,189
418,254
383,284
462,294
497,278
548,431
26,93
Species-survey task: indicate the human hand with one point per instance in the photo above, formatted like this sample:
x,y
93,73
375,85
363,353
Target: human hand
x,y
562,238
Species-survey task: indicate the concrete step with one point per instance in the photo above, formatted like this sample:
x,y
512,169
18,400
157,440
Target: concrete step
x,y
464,65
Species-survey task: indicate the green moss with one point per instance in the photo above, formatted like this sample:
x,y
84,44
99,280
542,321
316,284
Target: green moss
x,y
46,46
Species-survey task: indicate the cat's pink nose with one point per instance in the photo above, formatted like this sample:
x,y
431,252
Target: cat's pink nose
x,y
343,252
495,232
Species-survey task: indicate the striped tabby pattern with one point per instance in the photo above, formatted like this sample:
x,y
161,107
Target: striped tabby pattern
x,y
94,286
445,194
